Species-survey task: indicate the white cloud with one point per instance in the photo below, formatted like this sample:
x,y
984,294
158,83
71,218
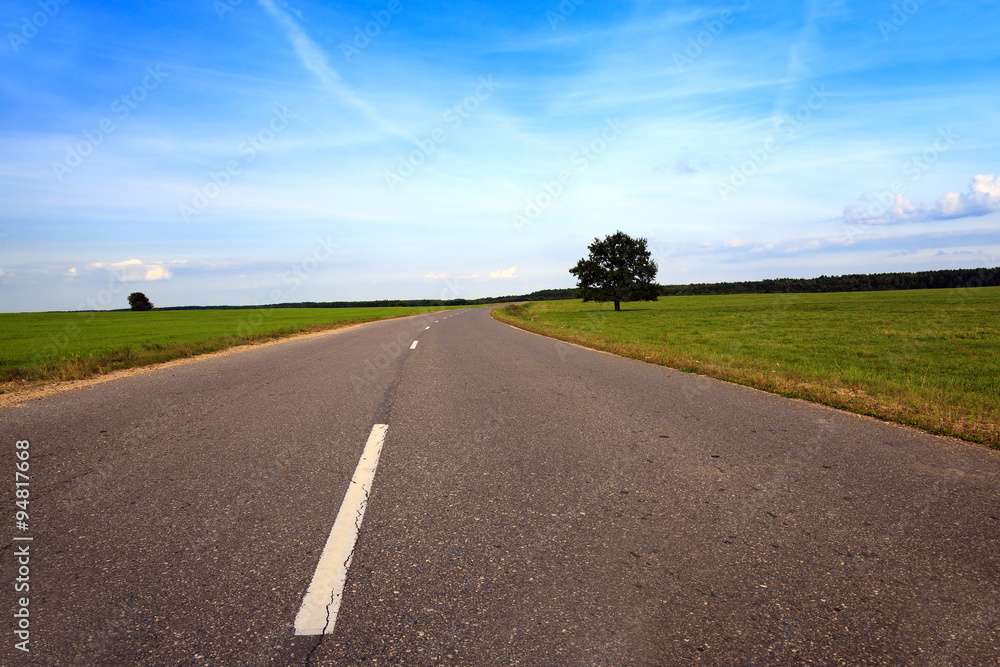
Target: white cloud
x,y
505,273
982,198
877,212
132,270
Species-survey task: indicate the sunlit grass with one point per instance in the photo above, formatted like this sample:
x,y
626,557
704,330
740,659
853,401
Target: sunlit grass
x,y
40,347
930,358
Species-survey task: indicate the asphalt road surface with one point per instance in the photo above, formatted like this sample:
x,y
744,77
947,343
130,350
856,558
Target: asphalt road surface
x,y
534,503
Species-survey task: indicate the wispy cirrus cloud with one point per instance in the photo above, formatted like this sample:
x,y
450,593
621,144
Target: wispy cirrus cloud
x,y
685,130
502,274
315,59
884,244
451,276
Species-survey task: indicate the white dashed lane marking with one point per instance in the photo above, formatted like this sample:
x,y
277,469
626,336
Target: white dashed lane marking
x,y
318,613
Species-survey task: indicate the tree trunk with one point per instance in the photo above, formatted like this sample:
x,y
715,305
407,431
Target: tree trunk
x,y
618,304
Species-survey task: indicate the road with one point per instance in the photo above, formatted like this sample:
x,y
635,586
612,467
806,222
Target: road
x,y
534,503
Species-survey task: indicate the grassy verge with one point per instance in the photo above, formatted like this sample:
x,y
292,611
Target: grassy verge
x,y
45,347
929,358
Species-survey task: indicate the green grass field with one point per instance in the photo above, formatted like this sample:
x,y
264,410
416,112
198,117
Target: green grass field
x,y
930,358
68,346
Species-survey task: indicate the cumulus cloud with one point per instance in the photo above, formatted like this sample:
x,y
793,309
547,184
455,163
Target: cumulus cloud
x,y
505,273
133,270
982,198
884,209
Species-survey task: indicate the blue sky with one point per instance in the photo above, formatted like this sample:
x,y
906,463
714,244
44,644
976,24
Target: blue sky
x,y
254,151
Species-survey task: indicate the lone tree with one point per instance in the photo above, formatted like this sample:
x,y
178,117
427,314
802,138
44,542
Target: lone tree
x,y
138,301
619,269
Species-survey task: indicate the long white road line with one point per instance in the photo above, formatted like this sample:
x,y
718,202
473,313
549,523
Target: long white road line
x,y
318,613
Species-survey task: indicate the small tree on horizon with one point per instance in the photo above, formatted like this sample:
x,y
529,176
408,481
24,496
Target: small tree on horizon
x,y
619,268
138,301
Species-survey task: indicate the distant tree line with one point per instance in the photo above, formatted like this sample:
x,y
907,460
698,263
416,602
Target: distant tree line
x,y
540,295
943,279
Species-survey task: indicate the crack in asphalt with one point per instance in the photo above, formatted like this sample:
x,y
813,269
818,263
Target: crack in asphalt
x,y
358,518
382,416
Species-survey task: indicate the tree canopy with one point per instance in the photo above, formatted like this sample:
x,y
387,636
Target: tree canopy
x,y
138,301
618,269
